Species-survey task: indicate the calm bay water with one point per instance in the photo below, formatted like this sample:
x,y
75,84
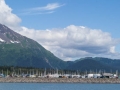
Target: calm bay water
x,y
57,86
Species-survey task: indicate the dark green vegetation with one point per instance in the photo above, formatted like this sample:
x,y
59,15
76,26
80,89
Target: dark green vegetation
x,y
16,55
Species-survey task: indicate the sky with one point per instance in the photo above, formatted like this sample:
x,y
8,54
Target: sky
x,y
70,29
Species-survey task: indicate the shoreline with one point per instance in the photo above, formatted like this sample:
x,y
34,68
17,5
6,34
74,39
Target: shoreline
x,y
61,80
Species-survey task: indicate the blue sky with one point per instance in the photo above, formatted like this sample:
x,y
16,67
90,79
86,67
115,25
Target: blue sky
x,y
96,14
99,17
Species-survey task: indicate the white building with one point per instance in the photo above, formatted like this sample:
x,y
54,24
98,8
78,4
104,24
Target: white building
x,y
94,75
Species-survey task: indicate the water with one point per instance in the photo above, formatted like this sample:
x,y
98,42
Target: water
x,y
57,86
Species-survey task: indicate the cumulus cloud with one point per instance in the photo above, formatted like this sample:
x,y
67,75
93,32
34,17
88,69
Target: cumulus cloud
x,y
74,41
49,8
67,43
7,17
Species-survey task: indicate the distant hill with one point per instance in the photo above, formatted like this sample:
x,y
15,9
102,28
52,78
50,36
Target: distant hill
x,y
94,64
110,62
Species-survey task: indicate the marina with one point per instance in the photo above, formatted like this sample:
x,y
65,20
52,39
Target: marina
x,y
57,76
13,72
55,73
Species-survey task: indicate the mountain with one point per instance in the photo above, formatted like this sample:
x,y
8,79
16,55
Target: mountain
x,y
97,63
18,50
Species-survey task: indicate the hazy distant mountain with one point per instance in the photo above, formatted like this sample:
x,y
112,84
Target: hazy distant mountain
x,y
110,62
18,50
97,63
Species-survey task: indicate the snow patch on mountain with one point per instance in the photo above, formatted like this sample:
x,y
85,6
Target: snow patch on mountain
x,y
14,41
1,40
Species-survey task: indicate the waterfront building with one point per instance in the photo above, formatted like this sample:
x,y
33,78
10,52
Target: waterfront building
x,y
108,75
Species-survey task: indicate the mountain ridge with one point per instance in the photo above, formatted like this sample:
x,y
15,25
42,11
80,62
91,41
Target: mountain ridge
x,y
19,50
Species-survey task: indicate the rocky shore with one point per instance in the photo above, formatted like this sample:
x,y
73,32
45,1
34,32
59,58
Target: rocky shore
x,y
59,80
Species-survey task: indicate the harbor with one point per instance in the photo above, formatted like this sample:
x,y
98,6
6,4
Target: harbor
x,y
23,75
13,72
47,75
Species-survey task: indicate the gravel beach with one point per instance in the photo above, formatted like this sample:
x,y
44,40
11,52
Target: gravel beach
x,y
59,80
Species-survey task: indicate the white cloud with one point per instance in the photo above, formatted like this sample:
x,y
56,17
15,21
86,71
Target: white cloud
x,y
6,15
67,43
74,41
49,8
